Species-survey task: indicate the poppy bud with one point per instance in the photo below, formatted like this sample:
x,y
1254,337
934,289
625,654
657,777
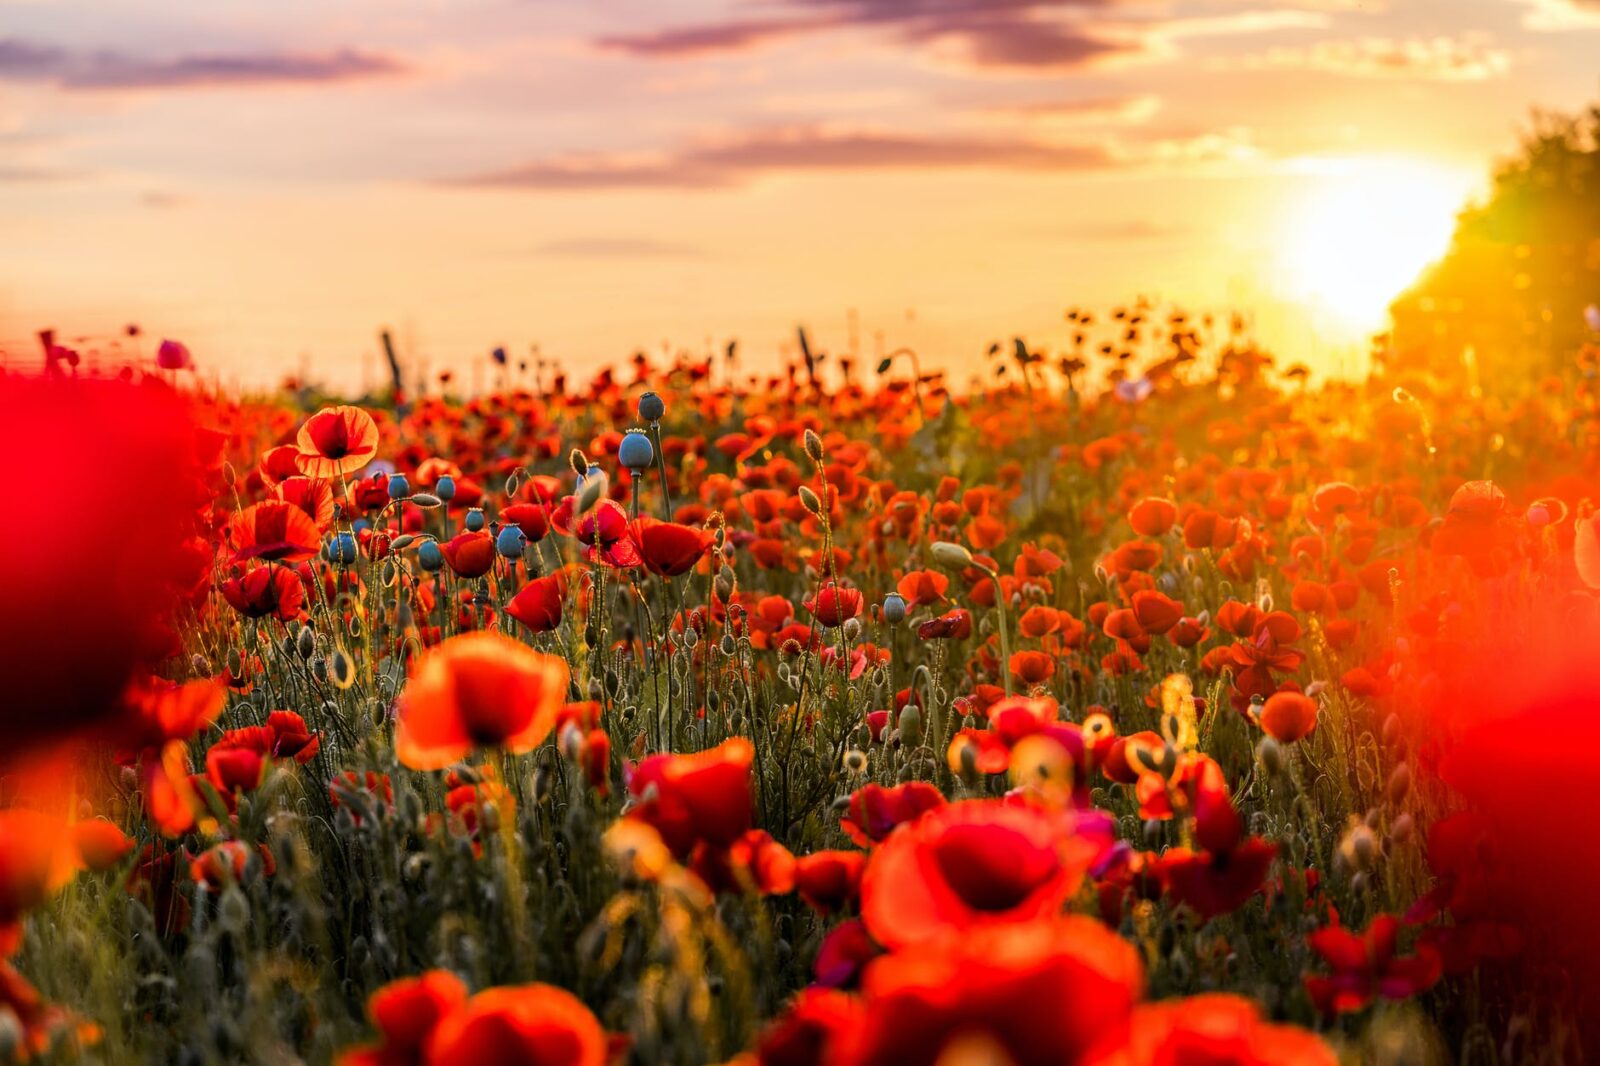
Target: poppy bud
x,y
949,554
429,556
1399,783
651,407
808,499
475,520
1270,752
911,726
427,499
445,488
855,761
399,488
579,463
852,628
894,608
813,446
341,549
305,642
636,452
1402,829
510,542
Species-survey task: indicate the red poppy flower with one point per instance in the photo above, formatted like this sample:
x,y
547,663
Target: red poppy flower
x,y
1156,612
538,604
1289,716
952,625
834,605
603,532
101,844
265,590
477,689
971,864
1215,1029
1032,667
405,1013
274,531
873,811
754,863
668,548
829,880
1153,516
518,1025
1032,994
693,798
1367,966
532,518
37,858
921,587
470,554
335,441
802,1035
1213,883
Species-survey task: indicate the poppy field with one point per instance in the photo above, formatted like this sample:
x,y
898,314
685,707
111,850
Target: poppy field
x,y
1139,704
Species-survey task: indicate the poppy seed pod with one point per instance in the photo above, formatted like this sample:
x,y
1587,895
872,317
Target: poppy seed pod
x,y
475,520
341,549
399,487
949,554
445,488
651,407
636,452
430,556
510,542
894,608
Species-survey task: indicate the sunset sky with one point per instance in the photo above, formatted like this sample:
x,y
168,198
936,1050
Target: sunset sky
x,y
272,182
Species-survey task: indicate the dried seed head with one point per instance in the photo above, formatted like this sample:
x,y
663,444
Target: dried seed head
x,y
855,761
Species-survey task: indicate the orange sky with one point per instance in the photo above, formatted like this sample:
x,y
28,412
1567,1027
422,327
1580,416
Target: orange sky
x,y
272,182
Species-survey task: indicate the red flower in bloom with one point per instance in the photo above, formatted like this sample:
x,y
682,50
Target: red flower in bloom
x,y
952,625
603,532
921,587
1032,994
265,590
405,1012
234,769
1289,716
335,441
874,811
971,864
538,604
1210,1030
470,554
477,689
1155,612
829,880
1032,667
1367,966
221,865
803,1034
274,531
1477,527
689,799
37,858
668,548
835,604
1216,882
101,845
754,863
1153,516
532,518
526,1025
89,607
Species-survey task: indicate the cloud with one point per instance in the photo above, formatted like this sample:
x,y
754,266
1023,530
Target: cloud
x,y
111,70
616,248
1556,16
1027,34
23,174
1434,59
739,159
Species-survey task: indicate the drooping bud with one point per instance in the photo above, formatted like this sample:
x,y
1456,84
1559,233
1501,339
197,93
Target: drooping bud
x,y
950,554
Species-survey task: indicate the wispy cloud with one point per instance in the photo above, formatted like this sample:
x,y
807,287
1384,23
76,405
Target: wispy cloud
x,y
751,155
1434,58
1030,34
110,70
1087,110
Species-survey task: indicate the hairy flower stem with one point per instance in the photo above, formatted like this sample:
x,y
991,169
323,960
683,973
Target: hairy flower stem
x,y
1005,640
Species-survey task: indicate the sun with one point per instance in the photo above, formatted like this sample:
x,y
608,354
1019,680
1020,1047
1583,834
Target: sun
x,y
1363,230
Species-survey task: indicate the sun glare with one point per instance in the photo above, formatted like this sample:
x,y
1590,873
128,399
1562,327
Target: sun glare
x,y
1357,237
